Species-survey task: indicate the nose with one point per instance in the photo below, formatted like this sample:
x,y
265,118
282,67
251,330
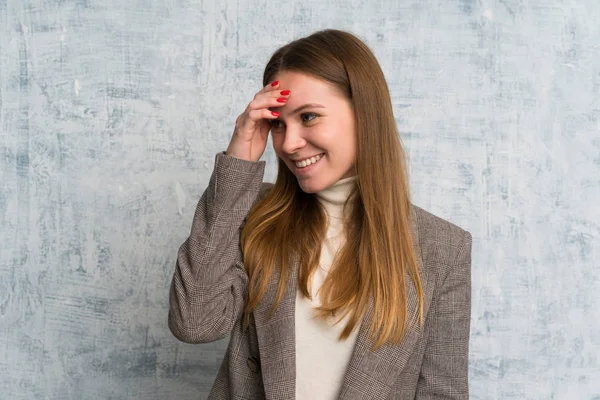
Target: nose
x,y
293,140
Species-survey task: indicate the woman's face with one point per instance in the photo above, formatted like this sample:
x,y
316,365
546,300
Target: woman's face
x,y
316,120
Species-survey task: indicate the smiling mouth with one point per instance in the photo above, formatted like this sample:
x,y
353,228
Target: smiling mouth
x,y
309,161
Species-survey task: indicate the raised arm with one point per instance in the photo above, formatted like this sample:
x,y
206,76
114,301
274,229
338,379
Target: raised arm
x,y
208,289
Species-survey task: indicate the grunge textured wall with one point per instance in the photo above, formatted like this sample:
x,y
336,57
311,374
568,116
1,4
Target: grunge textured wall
x,y
111,113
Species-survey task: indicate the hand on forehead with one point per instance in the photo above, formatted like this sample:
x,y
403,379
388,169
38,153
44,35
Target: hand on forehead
x,y
306,90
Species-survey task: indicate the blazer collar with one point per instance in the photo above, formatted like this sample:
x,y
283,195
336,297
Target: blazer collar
x,y
377,369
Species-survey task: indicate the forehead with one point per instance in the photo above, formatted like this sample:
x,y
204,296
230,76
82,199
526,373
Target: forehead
x,y
304,85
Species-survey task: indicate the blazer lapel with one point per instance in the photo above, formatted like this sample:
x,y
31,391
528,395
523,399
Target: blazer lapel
x,y
277,337
371,374
376,370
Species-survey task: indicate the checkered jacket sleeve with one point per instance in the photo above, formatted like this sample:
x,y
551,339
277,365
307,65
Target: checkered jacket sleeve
x,y
208,288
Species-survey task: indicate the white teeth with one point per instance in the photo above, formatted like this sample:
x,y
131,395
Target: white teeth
x,y
308,161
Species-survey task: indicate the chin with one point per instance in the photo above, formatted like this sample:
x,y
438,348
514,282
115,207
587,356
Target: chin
x,y
314,185
308,187
311,185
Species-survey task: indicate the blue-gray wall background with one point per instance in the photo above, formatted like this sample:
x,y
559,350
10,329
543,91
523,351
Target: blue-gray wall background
x,y
111,113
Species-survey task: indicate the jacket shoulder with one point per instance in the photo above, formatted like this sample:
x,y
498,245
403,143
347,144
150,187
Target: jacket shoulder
x,y
439,240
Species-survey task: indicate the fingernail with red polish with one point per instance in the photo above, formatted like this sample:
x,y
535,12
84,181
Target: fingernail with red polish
x,y
275,113
281,100
275,83
285,92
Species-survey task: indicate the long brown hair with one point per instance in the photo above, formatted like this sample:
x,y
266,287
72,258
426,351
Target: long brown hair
x,y
287,222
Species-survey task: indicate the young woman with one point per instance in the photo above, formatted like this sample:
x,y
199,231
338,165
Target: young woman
x,y
330,282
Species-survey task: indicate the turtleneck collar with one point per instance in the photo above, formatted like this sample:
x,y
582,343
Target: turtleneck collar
x,y
334,197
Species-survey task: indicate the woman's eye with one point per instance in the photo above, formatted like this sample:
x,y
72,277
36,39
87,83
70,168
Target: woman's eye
x,y
307,117
275,123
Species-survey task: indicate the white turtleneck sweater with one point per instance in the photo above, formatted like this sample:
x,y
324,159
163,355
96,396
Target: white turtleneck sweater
x,y
321,359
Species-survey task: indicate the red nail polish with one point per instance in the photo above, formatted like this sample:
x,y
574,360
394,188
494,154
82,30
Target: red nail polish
x,y
285,92
275,113
281,100
275,83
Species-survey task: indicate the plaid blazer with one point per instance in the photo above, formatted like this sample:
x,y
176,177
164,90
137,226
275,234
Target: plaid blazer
x,y
208,290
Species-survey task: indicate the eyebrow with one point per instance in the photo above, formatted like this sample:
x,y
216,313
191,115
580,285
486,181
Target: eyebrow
x,y
309,105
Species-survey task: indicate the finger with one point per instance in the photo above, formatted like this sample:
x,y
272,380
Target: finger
x,y
274,85
275,98
270,87
269,100
257,115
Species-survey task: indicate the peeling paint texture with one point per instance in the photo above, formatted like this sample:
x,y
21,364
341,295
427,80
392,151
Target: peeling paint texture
x,y
111,113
